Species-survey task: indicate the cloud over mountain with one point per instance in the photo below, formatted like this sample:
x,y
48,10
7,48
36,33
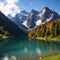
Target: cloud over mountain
x,y
11,1
9,7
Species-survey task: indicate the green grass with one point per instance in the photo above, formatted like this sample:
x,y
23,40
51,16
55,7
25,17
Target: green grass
x,y
49,39
54,57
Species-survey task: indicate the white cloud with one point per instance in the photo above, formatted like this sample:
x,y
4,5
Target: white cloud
x,y
11,1
9,7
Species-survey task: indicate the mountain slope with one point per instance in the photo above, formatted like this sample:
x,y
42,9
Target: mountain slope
x,y
47,31
9,26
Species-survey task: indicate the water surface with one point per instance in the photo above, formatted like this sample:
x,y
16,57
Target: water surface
x,y
23,47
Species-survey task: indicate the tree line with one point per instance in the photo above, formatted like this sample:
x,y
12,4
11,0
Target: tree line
x,y
48,30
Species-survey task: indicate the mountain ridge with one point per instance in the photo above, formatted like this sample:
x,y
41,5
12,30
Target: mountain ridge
x,y
44,16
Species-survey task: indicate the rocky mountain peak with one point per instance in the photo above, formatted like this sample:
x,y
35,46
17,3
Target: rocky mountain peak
x,y
38,18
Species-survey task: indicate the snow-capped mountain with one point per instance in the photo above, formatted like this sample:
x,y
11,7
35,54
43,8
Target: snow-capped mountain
x,y
29,21
33,16
47,14
20,18
36,18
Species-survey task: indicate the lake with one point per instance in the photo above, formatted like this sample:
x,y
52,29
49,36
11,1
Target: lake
x,y
23,47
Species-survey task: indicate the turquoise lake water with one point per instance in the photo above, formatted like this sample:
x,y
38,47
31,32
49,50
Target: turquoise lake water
x,y
22,46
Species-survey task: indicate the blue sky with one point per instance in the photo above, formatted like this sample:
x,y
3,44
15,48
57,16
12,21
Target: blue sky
x,y
39,4
13,7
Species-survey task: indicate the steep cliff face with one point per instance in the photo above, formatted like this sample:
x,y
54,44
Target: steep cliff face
x,y
33,16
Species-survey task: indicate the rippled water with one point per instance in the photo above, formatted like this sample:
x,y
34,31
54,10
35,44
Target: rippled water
x,y
23,47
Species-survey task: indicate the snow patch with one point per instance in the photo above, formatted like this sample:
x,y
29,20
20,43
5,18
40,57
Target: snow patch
x,y
43,11
25,23
38,22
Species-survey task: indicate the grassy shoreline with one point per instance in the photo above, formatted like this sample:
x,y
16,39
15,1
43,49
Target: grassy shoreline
x,y
51,57
56,39
47,39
